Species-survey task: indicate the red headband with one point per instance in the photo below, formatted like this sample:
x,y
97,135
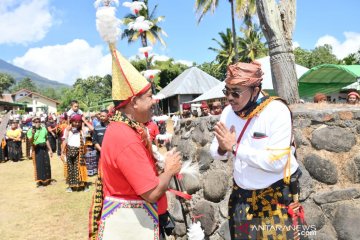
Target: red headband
x,y
354,94
76,118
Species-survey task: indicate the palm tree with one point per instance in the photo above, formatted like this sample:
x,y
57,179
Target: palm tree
x,y
250,46
226,53
244,8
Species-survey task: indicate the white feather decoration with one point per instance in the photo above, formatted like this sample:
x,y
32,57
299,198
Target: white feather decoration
x,y
160,118
107,24
140,24
190,170
135,6
164,137
105,3
145,49
160,160
195,232
150,74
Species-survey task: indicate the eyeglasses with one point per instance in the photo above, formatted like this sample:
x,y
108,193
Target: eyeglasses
x,y
234,94
36,122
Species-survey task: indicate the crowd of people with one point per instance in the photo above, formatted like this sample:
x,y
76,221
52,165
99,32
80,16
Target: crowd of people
x,y
352,98
75,138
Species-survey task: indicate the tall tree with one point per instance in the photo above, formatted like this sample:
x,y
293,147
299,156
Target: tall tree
x,y
49,92
250,45
89,92
320,55
350,59
245,8
214,70
277,19
168,70
26,83
6,81
302,57
225,54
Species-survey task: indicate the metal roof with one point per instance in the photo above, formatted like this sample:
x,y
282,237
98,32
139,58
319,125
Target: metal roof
x,y
191,81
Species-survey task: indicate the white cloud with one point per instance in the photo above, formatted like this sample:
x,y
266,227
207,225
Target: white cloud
x,y
160,58
66,63
24,21
295,45
185,62
77,59
351,44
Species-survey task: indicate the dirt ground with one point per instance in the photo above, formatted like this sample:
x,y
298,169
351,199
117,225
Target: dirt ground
x,y
31,213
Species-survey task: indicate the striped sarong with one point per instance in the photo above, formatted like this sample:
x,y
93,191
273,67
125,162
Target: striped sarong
x,y
128,219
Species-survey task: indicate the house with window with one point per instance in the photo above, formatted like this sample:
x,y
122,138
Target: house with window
x,y
35,102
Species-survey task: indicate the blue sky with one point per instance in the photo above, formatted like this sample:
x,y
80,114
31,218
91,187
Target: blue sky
x,y
58,39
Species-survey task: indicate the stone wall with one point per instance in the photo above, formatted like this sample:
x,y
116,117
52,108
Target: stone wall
x,y
329,158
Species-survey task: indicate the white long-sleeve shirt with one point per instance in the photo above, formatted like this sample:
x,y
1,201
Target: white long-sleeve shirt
x,y
254,167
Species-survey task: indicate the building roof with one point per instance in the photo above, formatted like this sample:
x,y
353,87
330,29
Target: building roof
x,y
35,93
6,97
4,103
191,81
328,78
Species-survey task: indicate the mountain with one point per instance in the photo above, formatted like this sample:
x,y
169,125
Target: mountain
x,y
20,73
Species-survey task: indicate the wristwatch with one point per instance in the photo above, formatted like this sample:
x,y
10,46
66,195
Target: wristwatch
x,y
233,149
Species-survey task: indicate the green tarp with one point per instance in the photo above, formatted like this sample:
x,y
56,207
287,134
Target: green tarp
x,y
327,78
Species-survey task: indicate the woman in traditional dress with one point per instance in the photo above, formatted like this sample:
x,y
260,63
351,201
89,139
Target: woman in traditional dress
x,y
37,136
13,136
73,151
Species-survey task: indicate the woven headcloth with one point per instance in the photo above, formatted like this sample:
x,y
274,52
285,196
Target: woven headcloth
x,y
244,74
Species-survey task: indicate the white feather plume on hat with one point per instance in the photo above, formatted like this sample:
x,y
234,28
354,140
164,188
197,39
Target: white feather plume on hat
x,y
107,24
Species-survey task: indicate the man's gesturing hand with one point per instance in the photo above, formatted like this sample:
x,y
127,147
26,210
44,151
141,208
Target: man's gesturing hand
x,y
225,137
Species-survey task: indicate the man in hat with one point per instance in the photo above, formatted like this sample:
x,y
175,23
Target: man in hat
x,y
353,98
131,195
257,131
205,110
186,113
216,108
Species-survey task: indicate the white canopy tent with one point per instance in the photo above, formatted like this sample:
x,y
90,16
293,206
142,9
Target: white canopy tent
x,y
216,92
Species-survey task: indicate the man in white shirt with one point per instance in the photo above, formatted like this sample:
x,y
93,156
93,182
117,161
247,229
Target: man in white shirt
x,y
257,131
